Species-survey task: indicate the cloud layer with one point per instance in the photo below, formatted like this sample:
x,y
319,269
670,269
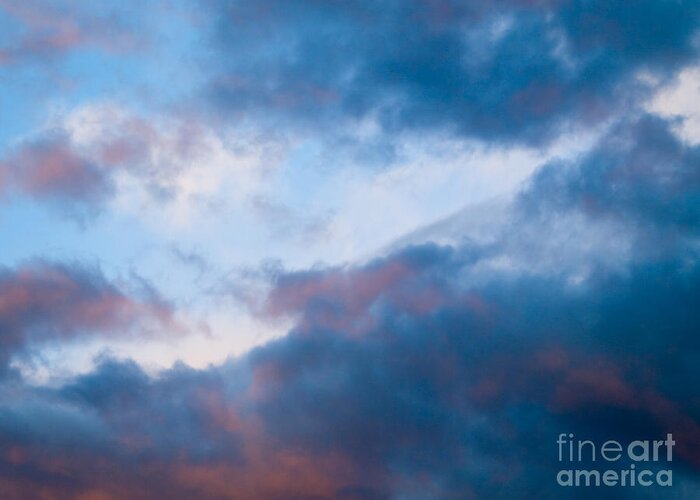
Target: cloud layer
x,y
442,367
428,373
502,71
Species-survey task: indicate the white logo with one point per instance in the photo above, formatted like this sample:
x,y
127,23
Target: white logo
x,y
641,452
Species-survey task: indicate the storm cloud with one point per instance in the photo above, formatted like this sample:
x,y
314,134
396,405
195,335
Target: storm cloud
x,y
422,374
500,71
441,367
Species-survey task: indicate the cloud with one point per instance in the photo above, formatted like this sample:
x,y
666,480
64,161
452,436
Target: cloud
x,y
632,194
45,29
465,398
43,302
50,169
641,174
507,71
103,155
680,99
425,373
430,371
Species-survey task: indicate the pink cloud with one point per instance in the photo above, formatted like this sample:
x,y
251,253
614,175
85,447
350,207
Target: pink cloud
x,y
49,30
42,302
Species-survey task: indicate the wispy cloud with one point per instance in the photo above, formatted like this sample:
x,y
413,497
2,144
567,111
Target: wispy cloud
x,y
405,244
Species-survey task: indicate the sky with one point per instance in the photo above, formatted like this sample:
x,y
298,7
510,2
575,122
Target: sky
x,y
306,249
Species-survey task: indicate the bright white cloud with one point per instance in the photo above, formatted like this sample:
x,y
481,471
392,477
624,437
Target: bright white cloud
x,y
240,196
681,99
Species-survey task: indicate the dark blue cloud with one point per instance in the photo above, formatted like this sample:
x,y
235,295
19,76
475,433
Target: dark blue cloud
x,y
426,373
641,175
502,71
435,371
464,399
